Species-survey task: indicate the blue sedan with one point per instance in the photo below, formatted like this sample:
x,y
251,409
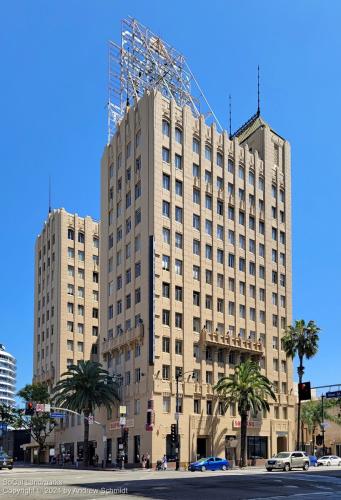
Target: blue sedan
x,y
210,463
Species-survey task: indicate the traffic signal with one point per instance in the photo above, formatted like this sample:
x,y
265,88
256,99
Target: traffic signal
x,y
29,408
173,433
319,440
304,391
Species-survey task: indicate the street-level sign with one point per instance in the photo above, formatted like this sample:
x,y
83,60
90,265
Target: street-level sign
x,y
47,408
333,394
123,410
123,420
91,419
324,425
40,407
55,414
3,426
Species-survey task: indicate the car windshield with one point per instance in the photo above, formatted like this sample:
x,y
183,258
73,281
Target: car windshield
x,y
201,460
282,455
325,458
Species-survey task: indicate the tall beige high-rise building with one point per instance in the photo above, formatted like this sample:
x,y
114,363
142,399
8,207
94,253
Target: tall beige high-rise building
x,y
66,301
195,276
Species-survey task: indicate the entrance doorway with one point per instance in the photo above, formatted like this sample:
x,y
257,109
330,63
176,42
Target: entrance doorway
x,y
201,448
282,444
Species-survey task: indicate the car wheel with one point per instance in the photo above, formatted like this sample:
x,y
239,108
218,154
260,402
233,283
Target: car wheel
x,y
339,464
328,463
306,466
269,469
223,467
286,468
10,468
203,468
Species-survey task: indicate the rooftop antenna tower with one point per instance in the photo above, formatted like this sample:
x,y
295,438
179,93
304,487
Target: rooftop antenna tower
x,y
258,93
230,116
50,209
144,62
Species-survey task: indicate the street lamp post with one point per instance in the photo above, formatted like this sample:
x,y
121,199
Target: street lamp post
x,y
178,375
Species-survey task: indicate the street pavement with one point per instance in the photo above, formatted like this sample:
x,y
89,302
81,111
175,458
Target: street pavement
x,y
253,484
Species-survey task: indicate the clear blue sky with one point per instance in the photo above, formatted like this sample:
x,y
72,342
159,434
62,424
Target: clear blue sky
x,y
53,91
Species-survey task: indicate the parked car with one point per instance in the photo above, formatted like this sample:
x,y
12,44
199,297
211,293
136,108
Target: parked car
x,y
287,460
6,462
313,461
329,460
210,463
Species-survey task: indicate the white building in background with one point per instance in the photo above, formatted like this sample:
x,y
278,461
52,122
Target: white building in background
x,y
8,369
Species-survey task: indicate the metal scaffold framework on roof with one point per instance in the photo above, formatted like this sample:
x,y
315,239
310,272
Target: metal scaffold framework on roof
x,y
144,62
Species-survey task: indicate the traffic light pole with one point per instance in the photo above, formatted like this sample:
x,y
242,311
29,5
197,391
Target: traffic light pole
x,y
323,429
177,462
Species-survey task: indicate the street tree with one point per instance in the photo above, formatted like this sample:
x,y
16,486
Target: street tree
x,y
301,339
40,425
83,388
250,391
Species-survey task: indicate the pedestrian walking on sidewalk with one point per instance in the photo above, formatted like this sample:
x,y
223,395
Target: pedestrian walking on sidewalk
x,y
148,461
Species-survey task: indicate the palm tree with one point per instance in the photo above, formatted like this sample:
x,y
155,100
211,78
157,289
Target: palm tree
x,y
83,388
249,390
301,339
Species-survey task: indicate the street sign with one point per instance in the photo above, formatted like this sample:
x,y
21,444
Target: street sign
x,y
123,410
123,421
57,415
333,394
3,426
91,419
40,407
47,408
324,425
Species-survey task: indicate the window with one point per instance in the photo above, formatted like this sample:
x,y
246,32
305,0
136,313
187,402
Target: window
x,y
252,291
137,216
138,165
220,305
128,275
178,162
178,240
208,153
261,227
262,272
178,187
220,183
137,407
281,195
196,247
196,196
230,236
274,212
231,284
165,290
209,407
165,128
94,312
282,237
70,234
196,273
195,170
252,246
178,214
282,280
196,325
282,299
275,364
231,308
95,331
165,372
261,250
178,347
178,320
196,146
165,155
80,310
241,173
70,307
220,232
165,317
137,295
196,406
70,289
166,235
69,345
274,191
208,252
261,207
208,227
166,404
208,301
274,233
208,276
241,194
231,260
262,316
138,138
178,293
230,213
251,222
208,202
241,264
209,377
242,310
230,166
220,256
165,208
69,326
242,241
274,255
81,292
208,177
165,262
241,218
196,298
251,178
137,269
137,190
178,267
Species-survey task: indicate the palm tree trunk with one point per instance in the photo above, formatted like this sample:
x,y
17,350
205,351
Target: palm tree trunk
x,y
86,439
300,371
243,434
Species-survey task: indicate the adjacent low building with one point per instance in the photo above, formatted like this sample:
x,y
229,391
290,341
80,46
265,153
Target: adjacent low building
x,y
8,372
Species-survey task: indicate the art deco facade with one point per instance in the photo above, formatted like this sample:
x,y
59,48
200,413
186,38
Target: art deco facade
x,y
66,305
195,275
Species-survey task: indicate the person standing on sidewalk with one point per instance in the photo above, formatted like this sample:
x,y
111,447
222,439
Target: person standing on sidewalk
x,y
148,460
